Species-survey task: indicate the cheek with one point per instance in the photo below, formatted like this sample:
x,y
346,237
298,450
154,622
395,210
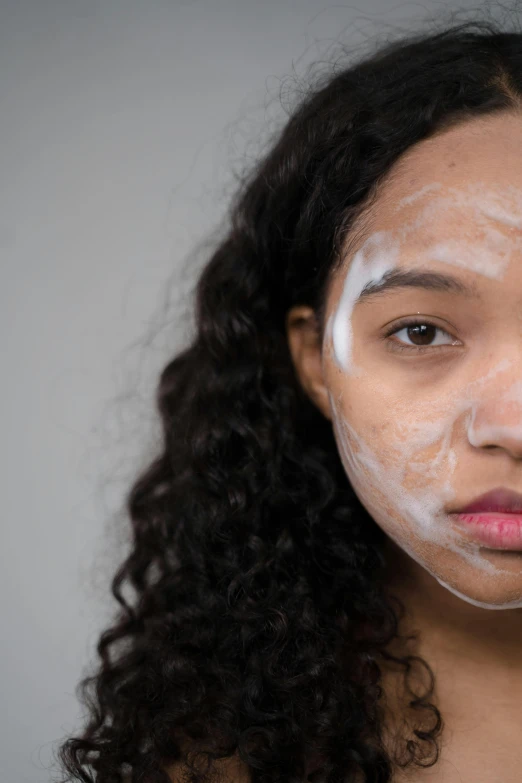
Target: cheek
x,y
397,458
368,445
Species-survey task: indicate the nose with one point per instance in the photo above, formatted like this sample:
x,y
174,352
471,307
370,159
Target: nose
x,y
497,423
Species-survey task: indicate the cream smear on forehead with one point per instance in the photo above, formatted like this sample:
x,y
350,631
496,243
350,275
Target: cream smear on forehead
x,y
423,505
494,207
495,248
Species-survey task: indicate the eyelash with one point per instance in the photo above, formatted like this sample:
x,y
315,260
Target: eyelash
x,y
397,346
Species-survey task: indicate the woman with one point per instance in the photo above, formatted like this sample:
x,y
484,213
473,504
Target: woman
x,y
327,551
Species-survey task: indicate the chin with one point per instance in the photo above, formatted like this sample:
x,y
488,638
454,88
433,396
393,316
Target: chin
x,y
495,591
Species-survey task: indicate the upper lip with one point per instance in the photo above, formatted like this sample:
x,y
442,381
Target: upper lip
x,y
498,499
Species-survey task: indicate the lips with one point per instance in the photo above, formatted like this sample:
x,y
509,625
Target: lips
x,y
497,500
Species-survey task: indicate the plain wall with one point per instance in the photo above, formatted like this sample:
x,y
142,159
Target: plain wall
x,y
123,123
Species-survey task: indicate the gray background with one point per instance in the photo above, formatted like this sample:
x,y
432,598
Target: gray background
x,y
122,124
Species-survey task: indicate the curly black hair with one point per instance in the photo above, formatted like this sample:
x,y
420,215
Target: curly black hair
x,y
261,625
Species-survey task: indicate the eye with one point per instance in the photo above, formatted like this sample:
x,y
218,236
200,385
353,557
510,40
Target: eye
x,y
418,335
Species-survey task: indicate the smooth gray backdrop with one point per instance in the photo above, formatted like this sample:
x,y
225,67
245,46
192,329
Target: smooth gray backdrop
x,y
122,124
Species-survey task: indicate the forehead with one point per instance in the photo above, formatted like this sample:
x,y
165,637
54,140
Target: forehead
x,y
472,225
450,203
466,183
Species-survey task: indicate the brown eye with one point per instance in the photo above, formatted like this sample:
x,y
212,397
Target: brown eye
x,y
421,334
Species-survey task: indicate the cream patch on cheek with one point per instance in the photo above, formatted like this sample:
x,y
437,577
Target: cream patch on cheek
x,y
407,482
407,479
407,474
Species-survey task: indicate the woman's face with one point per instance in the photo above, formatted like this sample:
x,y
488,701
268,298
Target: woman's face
x,y
420,368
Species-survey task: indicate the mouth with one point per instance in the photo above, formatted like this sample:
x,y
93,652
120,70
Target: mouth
x,y
500,500
494,519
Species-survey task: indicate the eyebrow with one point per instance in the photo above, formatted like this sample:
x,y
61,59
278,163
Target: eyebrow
x,y
410,278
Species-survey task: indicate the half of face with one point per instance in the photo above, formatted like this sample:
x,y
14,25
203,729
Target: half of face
x,y
420,369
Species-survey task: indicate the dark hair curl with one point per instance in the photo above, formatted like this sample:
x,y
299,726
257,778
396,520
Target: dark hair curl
x,y
261,624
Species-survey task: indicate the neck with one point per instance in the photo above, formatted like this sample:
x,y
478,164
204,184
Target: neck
x,y
449,627
475,656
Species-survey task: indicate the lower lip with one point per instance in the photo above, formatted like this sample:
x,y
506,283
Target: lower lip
x,y
495,529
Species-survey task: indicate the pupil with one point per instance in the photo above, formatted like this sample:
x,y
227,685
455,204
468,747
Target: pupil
x,y
421,334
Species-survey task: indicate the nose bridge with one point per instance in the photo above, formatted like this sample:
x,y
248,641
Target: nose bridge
x,y
496,412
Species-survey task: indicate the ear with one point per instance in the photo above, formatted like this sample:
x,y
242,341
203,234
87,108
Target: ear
x,y
304,343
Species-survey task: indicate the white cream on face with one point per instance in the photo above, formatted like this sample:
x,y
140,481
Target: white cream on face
x,y
495,251
421,435
366,267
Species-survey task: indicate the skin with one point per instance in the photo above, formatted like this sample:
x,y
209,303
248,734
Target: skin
x,y
422,433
